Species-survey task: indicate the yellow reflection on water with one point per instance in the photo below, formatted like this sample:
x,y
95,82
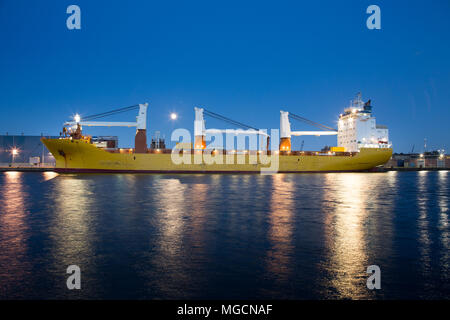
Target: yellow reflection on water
x,y
171,203
14,267
345,237
72,237
280,231
172,200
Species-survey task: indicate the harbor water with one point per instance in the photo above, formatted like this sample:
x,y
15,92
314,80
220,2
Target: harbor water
x,y
285,236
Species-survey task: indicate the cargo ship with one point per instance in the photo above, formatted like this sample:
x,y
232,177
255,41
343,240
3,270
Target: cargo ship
x,y
362,145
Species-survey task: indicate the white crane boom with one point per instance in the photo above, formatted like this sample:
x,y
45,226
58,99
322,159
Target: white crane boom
x,y
200,127
101,124
141,121
286,133
314,133
285,128
236,131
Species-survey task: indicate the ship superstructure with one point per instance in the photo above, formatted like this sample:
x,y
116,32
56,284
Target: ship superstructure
x,y
357,128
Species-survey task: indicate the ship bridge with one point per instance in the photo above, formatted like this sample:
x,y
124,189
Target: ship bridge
x,y
357,128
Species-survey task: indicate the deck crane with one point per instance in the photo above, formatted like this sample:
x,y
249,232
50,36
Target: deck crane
x,y
286,133
141,124
200,130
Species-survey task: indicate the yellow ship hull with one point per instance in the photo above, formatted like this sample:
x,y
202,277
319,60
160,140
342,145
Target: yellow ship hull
x,y
82,156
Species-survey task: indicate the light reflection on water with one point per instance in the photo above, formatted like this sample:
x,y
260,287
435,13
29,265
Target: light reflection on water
x,y
70,226
423,222
15,269
345,236
280,229
358,230
225,236
169,245
71,230
49,175
443,225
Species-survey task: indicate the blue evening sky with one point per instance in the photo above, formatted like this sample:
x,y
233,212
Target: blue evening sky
x,y
243,59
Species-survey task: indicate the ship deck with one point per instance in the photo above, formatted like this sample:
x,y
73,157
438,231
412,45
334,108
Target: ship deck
x,y
231,152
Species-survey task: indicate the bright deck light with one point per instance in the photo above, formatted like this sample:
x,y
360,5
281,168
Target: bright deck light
x,y
173,116
77,118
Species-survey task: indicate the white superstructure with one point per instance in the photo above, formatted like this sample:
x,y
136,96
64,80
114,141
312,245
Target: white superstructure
x,y
357,128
